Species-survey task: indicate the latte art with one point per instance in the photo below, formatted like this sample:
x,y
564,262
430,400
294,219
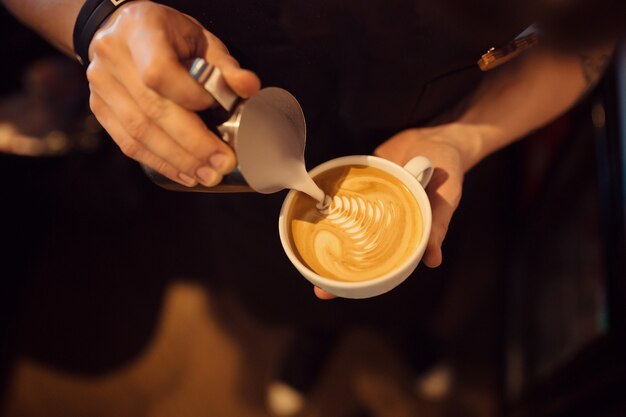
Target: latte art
x,y
365,226
370,228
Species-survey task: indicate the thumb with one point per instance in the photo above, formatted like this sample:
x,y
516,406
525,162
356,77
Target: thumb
x,y
433,256
323,295
244,83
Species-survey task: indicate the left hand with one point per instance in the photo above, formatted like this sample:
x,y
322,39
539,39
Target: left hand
x,y
143,95
443,146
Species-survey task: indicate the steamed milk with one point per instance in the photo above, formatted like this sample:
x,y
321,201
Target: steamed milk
x,y
372,225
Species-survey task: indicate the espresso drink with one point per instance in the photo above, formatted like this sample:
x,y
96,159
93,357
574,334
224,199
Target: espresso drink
x,y
372,225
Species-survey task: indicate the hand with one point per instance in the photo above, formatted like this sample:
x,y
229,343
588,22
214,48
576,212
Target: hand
x,y
445,146
144,97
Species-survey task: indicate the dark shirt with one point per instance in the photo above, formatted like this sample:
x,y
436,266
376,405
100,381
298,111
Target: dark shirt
x,y
362,72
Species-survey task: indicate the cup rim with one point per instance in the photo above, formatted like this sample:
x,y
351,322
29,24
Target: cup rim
x,y
399,172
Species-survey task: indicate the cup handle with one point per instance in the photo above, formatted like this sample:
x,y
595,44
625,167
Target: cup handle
x,y
421,168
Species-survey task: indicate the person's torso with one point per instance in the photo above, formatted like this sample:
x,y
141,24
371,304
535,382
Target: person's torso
x,y
361,70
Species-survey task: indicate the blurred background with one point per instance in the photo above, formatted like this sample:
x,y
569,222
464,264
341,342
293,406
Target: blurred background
x,y
103,314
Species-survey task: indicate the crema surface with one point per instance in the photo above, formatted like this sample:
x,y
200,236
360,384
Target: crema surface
x,y
371,227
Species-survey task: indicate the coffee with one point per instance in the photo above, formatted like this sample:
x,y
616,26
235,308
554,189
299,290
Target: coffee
x,y
372,226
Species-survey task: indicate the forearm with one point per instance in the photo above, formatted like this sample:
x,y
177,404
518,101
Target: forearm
x,y
52,19
524,95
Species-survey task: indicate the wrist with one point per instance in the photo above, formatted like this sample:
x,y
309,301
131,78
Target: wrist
x,y
470,140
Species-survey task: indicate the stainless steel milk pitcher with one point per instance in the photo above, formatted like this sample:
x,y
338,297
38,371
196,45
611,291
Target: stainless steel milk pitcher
x,y
262,131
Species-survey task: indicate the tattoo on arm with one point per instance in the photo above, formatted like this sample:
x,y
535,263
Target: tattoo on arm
x,y
593,68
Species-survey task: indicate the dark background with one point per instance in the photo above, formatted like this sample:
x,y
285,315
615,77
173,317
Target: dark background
x,y
89,246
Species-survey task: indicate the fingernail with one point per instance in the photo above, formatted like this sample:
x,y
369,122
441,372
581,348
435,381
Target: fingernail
x,y
189,181
219,161
208,176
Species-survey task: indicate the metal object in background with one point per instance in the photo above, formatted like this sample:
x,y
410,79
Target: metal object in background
x,y
495,57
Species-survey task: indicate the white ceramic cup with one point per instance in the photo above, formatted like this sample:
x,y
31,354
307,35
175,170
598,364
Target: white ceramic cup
x,y
415,175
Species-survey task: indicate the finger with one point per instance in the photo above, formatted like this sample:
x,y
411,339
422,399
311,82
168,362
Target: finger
x,y
244,83
144,130
183,126
131,147
444,198
323,295
433,257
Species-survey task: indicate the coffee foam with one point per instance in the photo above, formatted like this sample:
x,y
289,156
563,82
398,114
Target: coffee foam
x,y
371,227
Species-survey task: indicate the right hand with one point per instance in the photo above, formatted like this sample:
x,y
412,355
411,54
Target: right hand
x,y
143,96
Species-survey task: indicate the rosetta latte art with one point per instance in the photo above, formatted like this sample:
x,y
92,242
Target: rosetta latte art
x,y
364,227
370,228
